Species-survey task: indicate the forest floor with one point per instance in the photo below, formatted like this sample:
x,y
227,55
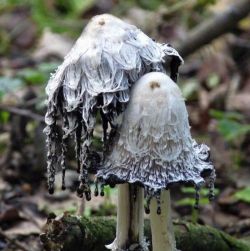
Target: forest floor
x,y
215,82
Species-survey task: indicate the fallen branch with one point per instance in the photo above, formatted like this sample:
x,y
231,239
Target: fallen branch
x,y
214,27
22,112
70,233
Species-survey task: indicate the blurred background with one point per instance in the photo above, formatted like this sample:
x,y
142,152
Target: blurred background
x,y
35,35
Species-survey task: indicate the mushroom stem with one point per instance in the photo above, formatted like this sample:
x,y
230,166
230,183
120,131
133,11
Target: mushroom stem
x,y
130,218
161,224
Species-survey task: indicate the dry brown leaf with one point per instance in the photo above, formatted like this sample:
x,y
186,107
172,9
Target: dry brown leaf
x,y
52,44
23,228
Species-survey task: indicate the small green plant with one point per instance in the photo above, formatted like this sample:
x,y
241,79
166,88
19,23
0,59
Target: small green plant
x,y
58,15
37,75
243,195
204,192
230,125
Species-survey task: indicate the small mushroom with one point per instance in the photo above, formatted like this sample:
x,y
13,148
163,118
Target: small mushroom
x,y
96,76
152,149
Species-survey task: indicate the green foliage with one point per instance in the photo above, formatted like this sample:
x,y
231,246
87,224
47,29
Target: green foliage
x,y
4,117
24,77
7,4
74,7
4,41
32,76
219,115
150,4
243,195
203,191
205,2
201,5
27,76
8,85
231,130
58,15
65,16
155,4
45,17
190,201
38,75
230,124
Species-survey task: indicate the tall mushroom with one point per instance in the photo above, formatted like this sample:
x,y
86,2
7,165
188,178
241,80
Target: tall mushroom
x,y
152,149
96,76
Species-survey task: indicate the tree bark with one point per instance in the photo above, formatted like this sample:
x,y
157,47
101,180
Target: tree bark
x,y
71,233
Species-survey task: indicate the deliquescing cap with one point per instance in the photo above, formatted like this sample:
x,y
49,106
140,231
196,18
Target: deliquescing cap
x,y
97,74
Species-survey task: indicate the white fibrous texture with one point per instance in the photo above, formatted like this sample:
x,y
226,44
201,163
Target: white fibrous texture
x,y
154,146
107,59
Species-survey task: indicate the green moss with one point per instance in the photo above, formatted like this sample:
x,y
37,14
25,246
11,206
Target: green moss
x,y
94,229
205,236
71,233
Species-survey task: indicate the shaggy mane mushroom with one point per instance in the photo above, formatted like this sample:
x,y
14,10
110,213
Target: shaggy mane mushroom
x,y
96,76
115,69
153,149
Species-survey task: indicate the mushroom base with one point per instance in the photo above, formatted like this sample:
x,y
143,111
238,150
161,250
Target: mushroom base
x,y
130,220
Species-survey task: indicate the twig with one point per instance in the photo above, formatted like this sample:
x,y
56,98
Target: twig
x,y
177,7
14,241
33,101
214,27
22,112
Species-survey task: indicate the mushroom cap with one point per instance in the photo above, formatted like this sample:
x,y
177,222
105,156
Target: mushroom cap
x,y
109,56
106,60
154,146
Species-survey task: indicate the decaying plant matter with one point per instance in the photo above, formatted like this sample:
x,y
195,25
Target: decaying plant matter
x,y
96,76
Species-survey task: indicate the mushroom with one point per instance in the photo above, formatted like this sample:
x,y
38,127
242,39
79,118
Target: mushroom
x,y
96,76
152,149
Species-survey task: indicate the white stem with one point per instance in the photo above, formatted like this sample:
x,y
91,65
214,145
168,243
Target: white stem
x,y
81,206
130,218
161,225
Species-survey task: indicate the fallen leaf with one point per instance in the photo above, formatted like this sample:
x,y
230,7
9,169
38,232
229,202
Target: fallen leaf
x,y
23,228
52,44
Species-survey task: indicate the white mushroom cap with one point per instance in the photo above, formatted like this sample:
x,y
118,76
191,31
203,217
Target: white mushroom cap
x,y
106,60
154,146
